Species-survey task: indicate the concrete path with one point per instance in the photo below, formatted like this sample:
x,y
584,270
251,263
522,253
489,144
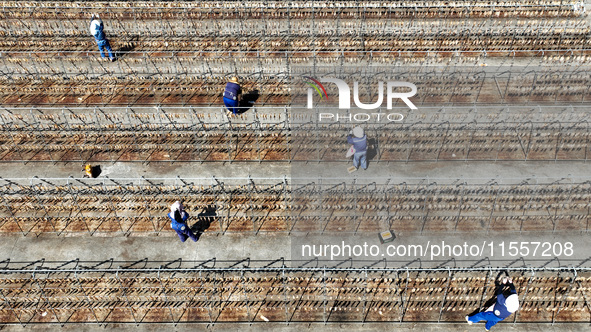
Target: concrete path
x,y
414,251
504,172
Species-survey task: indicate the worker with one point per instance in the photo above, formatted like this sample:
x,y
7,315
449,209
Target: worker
x,y
96,29
88,171
358,140
232,95
507,303
92,171
178,217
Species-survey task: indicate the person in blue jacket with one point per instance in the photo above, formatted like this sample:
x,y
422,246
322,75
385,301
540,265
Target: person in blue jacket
x,y
178,217
232,95
358,139
96,29
506,304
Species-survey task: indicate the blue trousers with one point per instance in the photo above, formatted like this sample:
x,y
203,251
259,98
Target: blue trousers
x,y
489,316
360,158
186,233
104,43
231,105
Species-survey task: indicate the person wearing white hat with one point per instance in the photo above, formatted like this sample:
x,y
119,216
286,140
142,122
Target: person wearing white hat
x,y
96,29
178,217
232,95
358,139
506,304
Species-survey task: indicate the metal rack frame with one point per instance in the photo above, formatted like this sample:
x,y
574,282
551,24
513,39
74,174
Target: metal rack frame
x,y
215,292
123,207
280,134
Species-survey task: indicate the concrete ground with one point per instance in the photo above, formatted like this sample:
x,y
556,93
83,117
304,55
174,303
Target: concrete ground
x,y
273,246
501,171
436,250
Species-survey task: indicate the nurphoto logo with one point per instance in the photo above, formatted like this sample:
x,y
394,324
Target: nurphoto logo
x,y
345,93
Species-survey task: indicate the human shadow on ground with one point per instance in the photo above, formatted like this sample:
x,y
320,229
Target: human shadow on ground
x,y
129,47
248,100
372,149
204,219
96,171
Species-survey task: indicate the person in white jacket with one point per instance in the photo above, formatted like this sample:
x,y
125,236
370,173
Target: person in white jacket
x,y
96,29
178,217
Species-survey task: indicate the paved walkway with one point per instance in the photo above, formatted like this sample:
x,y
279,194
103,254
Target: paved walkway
x,y
502,171
407,250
